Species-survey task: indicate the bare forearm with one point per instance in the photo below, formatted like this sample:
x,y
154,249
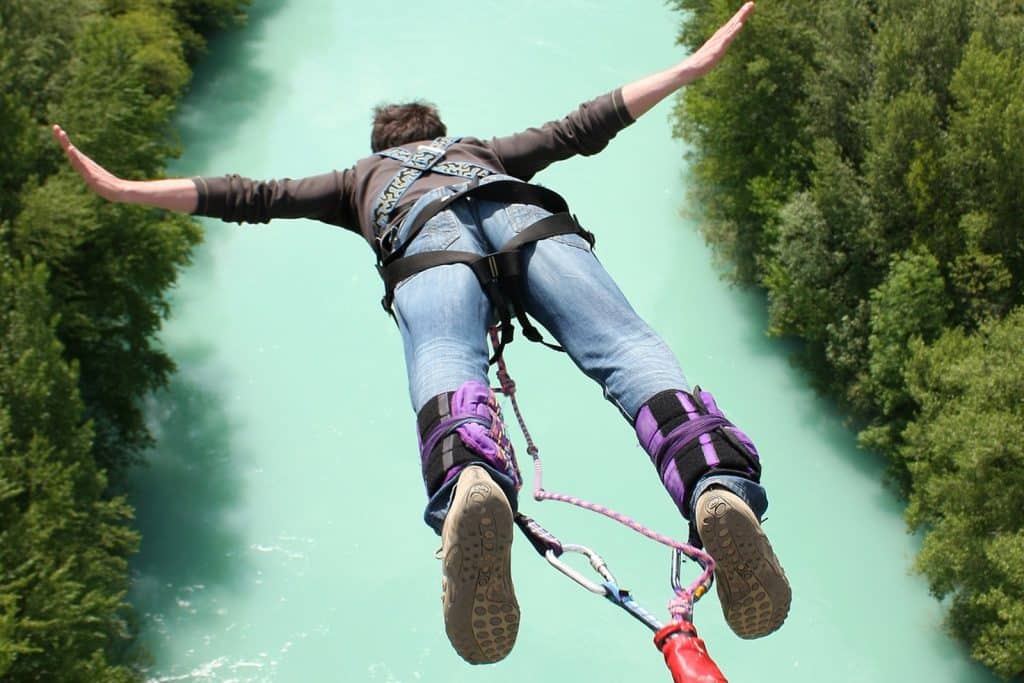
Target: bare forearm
x,y
175,194
642,95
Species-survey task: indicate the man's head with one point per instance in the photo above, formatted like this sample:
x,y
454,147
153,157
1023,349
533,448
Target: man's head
x,y
397,124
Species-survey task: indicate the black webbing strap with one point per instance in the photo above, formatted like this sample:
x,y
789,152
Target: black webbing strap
x,y
540,538
506,191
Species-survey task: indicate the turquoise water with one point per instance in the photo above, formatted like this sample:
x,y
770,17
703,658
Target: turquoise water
x,y
282,539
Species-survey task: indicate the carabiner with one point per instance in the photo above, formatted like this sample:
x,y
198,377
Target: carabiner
x,y
694,593
596,562
609,589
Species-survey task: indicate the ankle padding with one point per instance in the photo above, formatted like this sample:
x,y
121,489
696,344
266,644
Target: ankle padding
x,y
687,437
441,451
461,428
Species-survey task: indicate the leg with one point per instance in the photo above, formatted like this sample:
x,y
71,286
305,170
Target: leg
x,y
443,315
467,464
571,294
711,469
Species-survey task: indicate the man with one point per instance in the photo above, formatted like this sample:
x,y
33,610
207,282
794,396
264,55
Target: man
x,y
430,206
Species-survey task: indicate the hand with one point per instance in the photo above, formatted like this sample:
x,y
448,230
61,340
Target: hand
x,y
174,194
711,52
102,181
641,95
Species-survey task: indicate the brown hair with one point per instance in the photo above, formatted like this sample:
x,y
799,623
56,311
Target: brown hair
x,y
397,124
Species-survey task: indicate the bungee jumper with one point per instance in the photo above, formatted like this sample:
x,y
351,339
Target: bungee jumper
x,y
466,245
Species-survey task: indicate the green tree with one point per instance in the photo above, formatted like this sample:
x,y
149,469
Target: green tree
x,y
904,137
918,46
839,85
966,454
200,18
112,265
985,158
910,305
77,350
36,42
822,262
62,543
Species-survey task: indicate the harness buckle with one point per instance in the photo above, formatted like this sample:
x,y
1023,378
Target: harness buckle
x,y
386,240
424,157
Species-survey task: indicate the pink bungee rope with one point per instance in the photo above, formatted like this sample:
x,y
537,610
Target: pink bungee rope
x,y
680,607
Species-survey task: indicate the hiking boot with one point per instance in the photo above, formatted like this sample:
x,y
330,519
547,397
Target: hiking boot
x,y
481,615
752,587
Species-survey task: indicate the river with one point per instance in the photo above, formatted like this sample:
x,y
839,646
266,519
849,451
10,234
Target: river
x,y
281,507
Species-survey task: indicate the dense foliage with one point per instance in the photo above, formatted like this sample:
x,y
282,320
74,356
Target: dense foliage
x,y
82,293
863,162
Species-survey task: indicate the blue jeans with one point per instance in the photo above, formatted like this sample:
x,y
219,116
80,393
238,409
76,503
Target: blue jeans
x,y
444,315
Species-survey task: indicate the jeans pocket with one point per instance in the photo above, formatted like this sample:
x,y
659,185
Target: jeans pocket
x,y
439,233
523,216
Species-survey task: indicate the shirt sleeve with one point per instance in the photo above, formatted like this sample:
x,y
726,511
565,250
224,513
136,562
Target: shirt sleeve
x,y
326,197
585,131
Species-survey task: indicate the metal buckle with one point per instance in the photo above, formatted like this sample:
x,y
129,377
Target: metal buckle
x,y
424,157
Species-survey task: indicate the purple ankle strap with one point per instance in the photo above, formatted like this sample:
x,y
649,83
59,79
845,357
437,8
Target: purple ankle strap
x,y
684,434
697,422
709,403
476,419
444,428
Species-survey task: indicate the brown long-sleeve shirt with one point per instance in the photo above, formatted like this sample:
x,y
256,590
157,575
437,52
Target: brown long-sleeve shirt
x,y
346,198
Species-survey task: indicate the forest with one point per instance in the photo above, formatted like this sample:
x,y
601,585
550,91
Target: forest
x,y
83,291
861,162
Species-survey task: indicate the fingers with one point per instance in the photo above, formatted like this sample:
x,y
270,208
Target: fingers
x,y
713,51
74,156
744,12
732,27
65,143
90,171
62,137
729,30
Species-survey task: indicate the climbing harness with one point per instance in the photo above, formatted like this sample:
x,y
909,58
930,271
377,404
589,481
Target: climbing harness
x,y
499,272
685,653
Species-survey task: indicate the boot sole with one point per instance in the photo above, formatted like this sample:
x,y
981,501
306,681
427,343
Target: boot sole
x,y
752,587
481,613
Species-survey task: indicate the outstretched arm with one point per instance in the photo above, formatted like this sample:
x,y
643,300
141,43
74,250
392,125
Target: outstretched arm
x,y
176,194
640,96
